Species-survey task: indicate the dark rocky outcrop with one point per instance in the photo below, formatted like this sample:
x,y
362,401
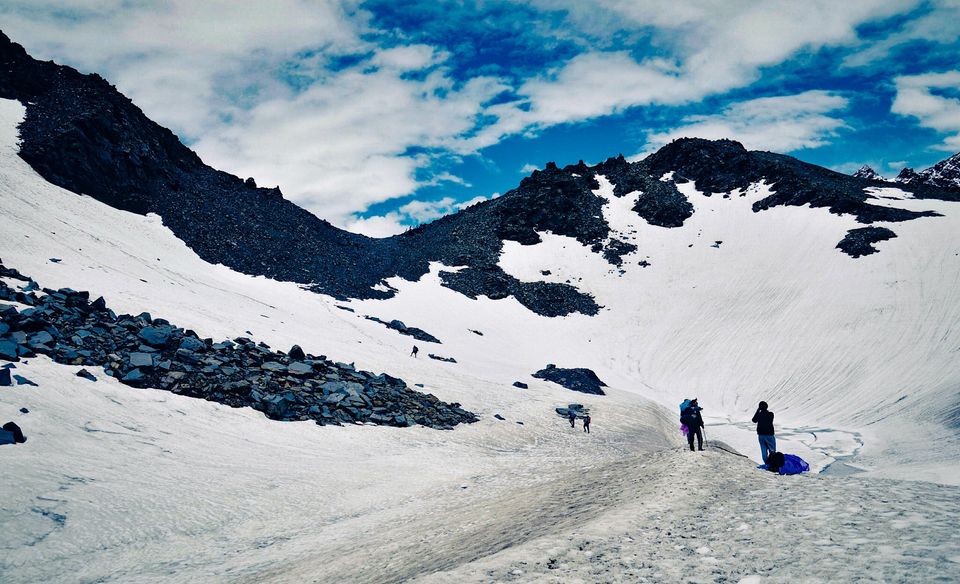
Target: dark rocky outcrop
x,y
944,174
575,379
720,166
442,358
859,242
143,351
410,331
867,173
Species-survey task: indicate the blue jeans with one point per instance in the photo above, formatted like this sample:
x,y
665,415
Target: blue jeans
x,y
768,444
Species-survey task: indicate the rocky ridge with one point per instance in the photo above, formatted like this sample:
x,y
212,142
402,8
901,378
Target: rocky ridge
x,y
142,351
82,134
944,174
865,172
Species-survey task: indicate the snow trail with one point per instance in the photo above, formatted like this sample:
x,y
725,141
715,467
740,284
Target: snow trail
x,y
713,517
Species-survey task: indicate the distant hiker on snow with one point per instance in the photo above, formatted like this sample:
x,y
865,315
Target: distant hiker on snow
x,y
768,441
690,417
586,423
414,352
572,416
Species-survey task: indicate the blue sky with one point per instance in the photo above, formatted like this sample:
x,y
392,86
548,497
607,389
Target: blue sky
x,y
378,115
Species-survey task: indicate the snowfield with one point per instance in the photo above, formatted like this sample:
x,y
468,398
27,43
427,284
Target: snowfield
x,y
858,358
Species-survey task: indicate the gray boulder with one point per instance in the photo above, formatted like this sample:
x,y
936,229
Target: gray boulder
x,y
8,350
296,353
133,377
141,360
191,344
299,369
157,336
39,340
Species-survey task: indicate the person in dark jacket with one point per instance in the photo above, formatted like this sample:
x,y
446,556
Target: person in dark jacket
x,y
768,441
572,416
586,423
692,419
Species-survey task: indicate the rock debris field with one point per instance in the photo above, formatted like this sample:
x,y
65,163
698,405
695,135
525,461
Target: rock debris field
x,y
141,351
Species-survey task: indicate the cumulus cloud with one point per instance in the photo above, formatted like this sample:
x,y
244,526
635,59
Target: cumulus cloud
x,y
702,49
917,97
783,123
938,24
410,215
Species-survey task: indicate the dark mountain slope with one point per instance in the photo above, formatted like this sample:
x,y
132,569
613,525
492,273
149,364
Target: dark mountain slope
x,y
81,134
721,166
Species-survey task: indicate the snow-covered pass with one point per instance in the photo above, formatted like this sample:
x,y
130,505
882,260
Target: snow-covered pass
x,y
705,270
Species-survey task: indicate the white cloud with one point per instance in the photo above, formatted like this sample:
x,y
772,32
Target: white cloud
x,y
916,98
705,49
340,145
377,226
937,25
528,168
782,124
409,215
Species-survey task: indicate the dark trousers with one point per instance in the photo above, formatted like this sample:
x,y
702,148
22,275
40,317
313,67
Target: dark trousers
x,y
586,428
699,434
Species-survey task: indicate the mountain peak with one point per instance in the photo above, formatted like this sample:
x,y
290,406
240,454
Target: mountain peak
x,y
866,172
944,174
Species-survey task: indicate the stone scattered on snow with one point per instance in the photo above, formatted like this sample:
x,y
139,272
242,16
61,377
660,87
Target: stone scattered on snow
x,y
576,379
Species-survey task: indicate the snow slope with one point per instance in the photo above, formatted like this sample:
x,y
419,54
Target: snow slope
x,y
141,485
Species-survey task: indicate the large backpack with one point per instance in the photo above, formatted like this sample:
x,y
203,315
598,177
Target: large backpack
x,y
689,417
793,464
775,461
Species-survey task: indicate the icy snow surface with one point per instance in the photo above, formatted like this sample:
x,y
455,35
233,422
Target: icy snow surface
x,y
856,357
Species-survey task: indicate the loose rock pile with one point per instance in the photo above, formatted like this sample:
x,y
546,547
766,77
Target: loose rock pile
x,y
576,379
142,351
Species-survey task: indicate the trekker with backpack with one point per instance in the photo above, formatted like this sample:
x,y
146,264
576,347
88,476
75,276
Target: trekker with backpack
x,y
768,440
691,418
586,423
415,350
572,416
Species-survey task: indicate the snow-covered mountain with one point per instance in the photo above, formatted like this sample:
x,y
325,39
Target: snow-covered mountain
x,y
867,173
705,270
944,174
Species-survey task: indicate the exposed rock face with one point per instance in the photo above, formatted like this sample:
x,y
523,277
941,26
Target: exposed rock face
x,y
142,351
722,166
944,174
867,173
908,176
410,331
859,242
576,379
